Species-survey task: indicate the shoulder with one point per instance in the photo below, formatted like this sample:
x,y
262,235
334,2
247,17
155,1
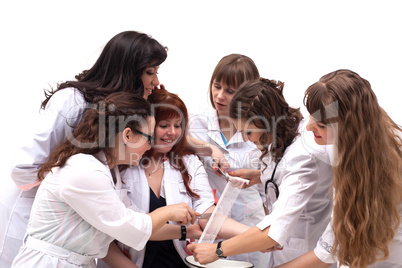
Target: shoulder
x,y
88,162
202,116
192,163
86,172
67,97
304,147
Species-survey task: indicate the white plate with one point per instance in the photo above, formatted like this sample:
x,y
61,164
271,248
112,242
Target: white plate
x,y
221,263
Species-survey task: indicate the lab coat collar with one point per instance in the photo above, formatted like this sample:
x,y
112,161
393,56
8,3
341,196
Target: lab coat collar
x,y
214,130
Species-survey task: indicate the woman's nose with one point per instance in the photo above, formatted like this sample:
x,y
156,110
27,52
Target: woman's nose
x,y
155,81
311,124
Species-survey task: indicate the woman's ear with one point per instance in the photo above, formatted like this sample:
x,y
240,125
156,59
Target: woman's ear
x,y
125,135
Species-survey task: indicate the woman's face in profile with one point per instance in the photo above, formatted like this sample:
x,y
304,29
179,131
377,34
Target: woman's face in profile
x,y
323,134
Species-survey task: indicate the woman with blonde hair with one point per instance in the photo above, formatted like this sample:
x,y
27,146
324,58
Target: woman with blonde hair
x,y
365,230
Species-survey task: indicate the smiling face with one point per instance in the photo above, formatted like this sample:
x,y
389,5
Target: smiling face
x,y
167,134
323,134
150,80
222,95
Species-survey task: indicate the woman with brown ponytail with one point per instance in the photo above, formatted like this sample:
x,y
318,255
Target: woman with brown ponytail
x,y
366,229
81,205
296,176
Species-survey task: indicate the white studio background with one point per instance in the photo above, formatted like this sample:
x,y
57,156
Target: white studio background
x,y
46,42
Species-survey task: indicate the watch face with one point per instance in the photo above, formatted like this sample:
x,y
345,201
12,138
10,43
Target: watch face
x,y
219,252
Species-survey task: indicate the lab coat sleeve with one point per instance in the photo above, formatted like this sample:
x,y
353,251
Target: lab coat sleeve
x,y
324,246
91,194
198,126
62,113
200,185
299,181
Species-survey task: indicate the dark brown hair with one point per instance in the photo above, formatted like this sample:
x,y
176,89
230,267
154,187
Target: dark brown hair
x,y
119,67
262,103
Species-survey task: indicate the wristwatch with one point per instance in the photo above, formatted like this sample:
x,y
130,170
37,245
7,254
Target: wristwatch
x,y
219,251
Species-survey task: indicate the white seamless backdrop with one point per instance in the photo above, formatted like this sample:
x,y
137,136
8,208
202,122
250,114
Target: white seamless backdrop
x,y
46,42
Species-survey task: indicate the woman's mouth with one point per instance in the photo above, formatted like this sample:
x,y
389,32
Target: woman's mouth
x,y
318,137
220,104
149,90
167,141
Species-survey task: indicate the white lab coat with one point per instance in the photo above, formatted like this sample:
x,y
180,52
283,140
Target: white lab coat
x,y
63,111
325,244
302,211
248,207
173,190
80,209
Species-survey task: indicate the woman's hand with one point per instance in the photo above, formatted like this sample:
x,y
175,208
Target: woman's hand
x,y
219,160
180,213
203,253
254,176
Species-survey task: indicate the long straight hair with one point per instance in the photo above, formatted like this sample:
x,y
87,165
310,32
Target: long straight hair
x,y
368,177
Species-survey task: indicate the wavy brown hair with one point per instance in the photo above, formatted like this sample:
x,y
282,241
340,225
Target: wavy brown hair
x,y
98,128
233,70
262,103
368,177
167,105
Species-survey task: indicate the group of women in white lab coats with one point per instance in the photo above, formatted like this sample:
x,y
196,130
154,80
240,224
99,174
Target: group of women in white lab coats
x,y
128,63
168,175
81,205
366,228
295,173
284,211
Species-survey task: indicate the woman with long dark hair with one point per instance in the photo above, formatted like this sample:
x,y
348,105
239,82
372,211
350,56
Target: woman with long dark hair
x,y
128,63
81,205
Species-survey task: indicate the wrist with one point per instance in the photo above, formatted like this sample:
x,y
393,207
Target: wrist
x,y
219,250
183,232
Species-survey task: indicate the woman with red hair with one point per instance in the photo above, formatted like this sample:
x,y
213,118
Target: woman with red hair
x,y
169,174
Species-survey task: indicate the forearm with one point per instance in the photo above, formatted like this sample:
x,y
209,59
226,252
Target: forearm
x,y
167,232
250,241
159,218
198,147
231,228
116,258
308,260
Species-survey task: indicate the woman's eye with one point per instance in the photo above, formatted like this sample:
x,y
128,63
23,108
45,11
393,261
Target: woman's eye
x,y
163,126
177,126
248,133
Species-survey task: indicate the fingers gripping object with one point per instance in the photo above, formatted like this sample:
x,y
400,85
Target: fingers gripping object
x,y
221,211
